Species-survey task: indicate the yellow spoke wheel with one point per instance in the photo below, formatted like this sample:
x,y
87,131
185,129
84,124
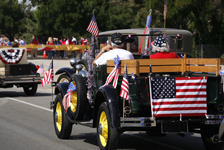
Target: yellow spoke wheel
x,y
62,126
59,116
104,125
107,137
74,100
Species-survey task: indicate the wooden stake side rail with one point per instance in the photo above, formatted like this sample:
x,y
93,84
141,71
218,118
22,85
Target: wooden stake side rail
x,y
137,66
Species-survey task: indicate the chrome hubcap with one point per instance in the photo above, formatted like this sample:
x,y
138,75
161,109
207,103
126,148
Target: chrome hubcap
x,y
100,128
56,117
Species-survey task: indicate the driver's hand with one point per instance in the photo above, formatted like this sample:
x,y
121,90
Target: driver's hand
x,y
107,48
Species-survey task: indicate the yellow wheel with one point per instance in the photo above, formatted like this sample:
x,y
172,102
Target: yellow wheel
x,y
107,137
104,128
63,78
58,114
79,97
63,127
74,100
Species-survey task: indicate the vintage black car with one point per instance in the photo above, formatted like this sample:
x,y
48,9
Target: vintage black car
x,y
100,106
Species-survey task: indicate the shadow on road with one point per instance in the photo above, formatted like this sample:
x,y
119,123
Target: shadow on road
x,y
87,137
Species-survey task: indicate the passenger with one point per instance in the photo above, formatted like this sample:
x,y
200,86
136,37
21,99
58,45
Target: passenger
x,y
162,49
110,52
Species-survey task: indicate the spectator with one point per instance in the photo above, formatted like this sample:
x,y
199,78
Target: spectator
x,y
16,40
74,40
50,42
68,42
34,50
22,42
62,42
110,52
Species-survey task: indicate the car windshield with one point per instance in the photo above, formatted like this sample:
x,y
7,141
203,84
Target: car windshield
x,y
132,42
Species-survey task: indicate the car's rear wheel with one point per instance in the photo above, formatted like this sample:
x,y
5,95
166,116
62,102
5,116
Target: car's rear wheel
x,y
79,97
207,133
30,89
107,137
63,127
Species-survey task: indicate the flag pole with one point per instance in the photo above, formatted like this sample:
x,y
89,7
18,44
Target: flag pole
x,y
52,81
123,106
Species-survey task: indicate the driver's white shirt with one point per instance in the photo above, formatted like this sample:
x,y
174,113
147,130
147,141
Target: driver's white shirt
x,y
110,55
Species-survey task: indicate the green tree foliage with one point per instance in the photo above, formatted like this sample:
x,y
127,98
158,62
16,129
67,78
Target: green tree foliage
x,y
56,18
11,18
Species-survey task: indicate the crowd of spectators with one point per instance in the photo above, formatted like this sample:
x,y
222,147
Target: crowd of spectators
x,y
50,41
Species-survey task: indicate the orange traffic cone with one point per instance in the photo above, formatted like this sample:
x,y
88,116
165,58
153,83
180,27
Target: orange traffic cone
x,y
44,55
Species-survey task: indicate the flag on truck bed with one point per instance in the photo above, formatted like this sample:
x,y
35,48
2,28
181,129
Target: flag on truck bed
x,y
125,85
178,96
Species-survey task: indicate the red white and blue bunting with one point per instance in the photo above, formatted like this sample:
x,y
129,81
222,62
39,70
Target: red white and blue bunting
x,y
11,56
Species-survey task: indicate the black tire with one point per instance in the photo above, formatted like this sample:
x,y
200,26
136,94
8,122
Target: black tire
x,y
62,126
30,89
107,137
84,64
206,134
79,97
63,78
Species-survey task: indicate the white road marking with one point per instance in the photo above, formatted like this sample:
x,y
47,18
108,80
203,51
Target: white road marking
x,y
30,104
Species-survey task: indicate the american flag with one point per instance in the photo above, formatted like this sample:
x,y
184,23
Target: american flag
x,y
41,69
147,32
175,96
125,85
114,73
49,76
93,28
67,97
165,10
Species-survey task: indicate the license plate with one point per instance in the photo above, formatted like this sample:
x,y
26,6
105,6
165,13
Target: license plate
x,y
174,127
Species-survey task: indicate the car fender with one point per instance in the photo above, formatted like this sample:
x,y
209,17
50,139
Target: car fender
x,y
61,88
68,71
109,95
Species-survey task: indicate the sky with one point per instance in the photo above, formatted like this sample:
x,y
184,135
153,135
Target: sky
x,y
27,2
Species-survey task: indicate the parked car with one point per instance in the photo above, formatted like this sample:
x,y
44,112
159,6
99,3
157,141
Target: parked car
x,y
16,71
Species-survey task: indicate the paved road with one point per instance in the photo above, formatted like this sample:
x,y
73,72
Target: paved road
x,y
26,123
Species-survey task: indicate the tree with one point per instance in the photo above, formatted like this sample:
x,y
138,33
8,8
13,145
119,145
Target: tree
x,y
11,18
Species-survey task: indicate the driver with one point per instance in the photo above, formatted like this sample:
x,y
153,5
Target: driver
x,y
110,52
161,48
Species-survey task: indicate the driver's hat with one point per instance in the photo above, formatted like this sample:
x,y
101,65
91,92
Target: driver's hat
x,y
117,38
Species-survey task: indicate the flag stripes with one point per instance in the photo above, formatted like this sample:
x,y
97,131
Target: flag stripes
x,y
175,96
49,76
92,27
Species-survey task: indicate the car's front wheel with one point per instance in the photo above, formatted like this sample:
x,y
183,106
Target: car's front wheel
x,y
63,127
107,137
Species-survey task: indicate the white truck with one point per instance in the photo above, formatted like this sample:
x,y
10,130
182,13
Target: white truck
x,y
15,70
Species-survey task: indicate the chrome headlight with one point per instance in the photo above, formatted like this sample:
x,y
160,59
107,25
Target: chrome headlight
x,y
78,67
83,73
73,62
